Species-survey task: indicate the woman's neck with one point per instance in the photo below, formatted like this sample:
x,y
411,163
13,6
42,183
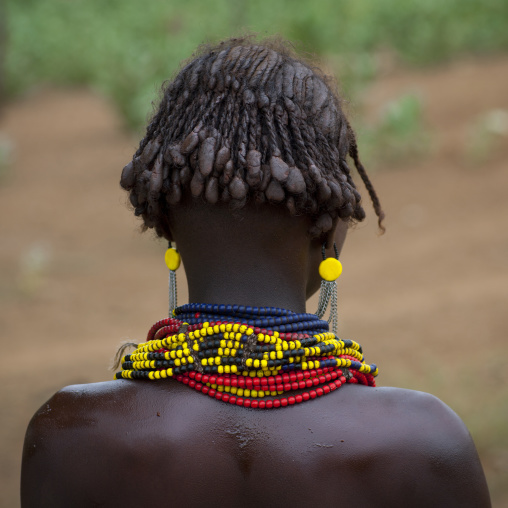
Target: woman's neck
x,y
237,282
258,256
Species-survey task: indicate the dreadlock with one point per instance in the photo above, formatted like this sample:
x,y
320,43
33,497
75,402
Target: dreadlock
x,y
244,121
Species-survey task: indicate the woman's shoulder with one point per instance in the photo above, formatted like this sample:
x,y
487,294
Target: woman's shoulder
x,y
393,418
414,408
374,419
395,411
413,425
75,438
70,405
413,444
75,410
405,445
90,407
417,419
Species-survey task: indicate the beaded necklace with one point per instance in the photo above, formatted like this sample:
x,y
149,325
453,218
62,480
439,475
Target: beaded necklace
x,y
248,356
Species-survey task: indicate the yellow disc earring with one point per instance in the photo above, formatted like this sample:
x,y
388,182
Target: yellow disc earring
x,y
330,270
173,260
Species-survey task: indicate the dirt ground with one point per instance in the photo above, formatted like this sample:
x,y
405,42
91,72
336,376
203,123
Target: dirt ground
x,y
428,300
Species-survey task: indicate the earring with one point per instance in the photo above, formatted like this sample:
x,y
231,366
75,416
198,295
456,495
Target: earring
x,y
330,270
173,259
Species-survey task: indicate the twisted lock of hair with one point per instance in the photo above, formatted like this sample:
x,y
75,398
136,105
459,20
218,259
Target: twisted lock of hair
x,y
353,152
245,120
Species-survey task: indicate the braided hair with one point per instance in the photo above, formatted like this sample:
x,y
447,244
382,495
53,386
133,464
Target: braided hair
x,y
249,121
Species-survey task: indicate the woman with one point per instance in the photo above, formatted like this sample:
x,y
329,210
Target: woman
x,y
244,167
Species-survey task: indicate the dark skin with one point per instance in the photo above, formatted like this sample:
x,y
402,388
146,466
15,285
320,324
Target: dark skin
x,y
133,443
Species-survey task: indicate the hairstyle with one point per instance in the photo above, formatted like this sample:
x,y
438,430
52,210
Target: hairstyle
x,y
249,121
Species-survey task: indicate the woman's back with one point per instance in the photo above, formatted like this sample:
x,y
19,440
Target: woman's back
x,y
244,166
142,444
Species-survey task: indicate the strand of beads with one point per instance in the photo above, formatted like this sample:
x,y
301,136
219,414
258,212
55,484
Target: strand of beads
x,y
218,346
323,389
240,364
281,320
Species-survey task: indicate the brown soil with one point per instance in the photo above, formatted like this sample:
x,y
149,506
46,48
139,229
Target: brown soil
x,y
428,300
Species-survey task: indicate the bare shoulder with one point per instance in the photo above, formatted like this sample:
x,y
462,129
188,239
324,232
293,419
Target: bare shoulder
x,y
421,424
62,440
70,409
424,451
413,412
383,446
70,403
85,409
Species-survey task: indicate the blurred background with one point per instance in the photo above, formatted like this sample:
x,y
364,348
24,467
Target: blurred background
x,y
426,83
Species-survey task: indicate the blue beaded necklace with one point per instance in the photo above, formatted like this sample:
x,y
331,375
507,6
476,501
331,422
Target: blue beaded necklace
x,y
280,320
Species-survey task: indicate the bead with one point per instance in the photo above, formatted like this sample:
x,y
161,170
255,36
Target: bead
x,y
172,258
330,269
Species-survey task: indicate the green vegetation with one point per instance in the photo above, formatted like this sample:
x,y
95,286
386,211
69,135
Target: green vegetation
x,y
33,267
487,133
399,133
126,48
5,157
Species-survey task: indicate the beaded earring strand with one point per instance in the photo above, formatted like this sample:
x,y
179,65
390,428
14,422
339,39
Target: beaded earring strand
x,y
330,270
173,260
